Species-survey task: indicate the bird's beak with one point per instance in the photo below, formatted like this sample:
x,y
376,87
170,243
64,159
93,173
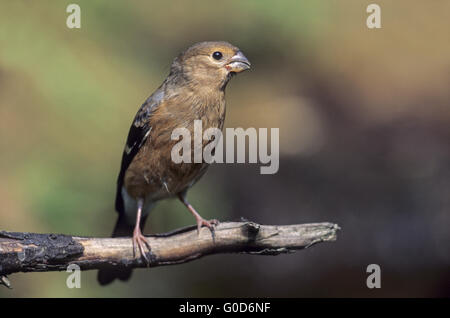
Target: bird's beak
x,y
238,63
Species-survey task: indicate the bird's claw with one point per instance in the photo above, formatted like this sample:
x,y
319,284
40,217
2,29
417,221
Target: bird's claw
x,y
210,224
140,241
5,281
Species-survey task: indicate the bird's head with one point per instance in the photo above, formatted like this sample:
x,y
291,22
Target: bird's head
x,y
210,64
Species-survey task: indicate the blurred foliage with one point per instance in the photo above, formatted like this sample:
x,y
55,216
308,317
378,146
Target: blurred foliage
x,y
364,125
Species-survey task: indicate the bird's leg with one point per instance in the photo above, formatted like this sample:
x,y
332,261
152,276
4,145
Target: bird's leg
x,y
200,221
138,238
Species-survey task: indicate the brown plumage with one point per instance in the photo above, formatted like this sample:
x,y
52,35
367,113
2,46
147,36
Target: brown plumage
x,y
194,90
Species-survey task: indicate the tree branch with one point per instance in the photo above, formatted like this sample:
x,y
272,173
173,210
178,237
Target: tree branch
x,y
31,252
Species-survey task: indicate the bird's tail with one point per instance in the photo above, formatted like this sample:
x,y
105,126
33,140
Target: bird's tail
x,y
108,275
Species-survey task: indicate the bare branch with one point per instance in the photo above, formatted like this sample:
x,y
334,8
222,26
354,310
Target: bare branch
x,y
30,252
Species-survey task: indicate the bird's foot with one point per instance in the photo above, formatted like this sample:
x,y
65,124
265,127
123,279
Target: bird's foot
x,y
210,224
140,241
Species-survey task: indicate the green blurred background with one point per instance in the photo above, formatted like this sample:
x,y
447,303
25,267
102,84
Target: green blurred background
x,y
364,118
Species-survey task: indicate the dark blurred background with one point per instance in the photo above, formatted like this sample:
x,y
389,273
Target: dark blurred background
x,y
364,118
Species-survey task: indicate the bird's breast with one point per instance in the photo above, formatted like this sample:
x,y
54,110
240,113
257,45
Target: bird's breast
x,y
153,173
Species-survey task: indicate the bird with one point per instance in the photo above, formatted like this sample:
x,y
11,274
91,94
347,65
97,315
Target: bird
x,y
193,90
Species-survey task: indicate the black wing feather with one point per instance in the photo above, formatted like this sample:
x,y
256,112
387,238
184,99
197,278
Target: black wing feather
x,y
137,135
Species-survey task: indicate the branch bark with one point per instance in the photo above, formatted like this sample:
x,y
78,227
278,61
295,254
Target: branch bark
x,y
31,252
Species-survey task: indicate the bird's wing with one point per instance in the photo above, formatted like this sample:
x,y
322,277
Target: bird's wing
x,y
139,131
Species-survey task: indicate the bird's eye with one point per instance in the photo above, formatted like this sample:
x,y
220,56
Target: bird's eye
x,y
217,55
